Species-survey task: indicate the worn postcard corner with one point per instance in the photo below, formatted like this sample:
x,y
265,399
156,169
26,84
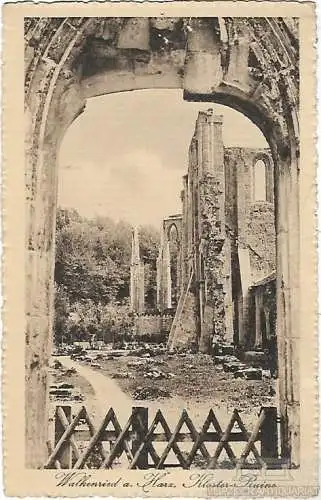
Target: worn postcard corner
x,y
160,249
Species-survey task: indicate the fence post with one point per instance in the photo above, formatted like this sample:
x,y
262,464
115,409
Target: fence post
x,y
140,428
269,433
65,455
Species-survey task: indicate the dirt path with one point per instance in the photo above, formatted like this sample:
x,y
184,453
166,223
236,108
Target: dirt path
x,y
106,392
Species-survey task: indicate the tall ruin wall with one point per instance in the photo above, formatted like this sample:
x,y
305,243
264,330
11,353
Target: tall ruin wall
x,y
228,235
250,221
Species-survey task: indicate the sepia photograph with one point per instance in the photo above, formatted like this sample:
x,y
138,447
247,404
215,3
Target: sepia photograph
x,y
165,284
163,263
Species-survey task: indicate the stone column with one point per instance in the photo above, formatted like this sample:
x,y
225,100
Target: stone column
x,y
228,290
134,262
141,288
179,270
258,326
184,241
164,280
288,293
46,126
137,282
39,303
158,279
245,274
269,176
212,226
267,323
167,277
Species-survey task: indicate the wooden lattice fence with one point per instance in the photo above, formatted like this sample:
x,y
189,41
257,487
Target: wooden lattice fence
x,y
79,445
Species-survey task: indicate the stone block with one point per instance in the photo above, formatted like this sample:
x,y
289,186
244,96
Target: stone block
x,y
254,357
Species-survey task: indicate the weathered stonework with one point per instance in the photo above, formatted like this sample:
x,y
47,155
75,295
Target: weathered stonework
x,y
71,59
137,277
262,320
251,229
152,325
163,264
230,236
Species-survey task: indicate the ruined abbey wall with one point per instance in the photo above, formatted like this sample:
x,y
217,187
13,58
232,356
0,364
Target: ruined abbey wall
x,y
250,219
152,325
228,236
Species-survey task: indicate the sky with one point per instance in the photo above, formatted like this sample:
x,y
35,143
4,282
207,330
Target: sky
x,y
125,156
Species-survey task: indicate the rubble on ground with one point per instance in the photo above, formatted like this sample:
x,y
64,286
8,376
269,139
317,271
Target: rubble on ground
x,y
65,385
248,367
249,373
136,364
256,358
64,391
120,375
57,365
95,365
234,366
70,371
157,374
150,393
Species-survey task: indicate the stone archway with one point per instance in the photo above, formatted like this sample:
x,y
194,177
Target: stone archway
x,y
250,64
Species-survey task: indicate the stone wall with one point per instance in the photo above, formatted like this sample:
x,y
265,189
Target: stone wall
x,y
185,328
260,237
250,229
262,312
204,236
56,87
152,325
240,181
228,236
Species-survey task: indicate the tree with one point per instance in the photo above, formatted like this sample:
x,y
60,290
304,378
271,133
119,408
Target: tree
x,y
149,248
92,272
61,318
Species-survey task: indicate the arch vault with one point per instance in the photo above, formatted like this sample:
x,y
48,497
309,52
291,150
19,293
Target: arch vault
x,y
249,64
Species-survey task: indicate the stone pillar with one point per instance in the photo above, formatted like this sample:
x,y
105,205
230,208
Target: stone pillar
x,y
167,277
245,274
164,280
137,284
184,240
45,127
288,296
188,225
158,278
267,323
212,226
269,176
141,288
39,304
228,291
258,326
179,270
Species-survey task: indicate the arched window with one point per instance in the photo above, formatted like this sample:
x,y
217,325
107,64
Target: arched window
x,y
260,181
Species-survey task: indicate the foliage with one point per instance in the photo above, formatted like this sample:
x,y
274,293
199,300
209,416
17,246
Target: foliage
x,y
149,247
61,318
92,275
